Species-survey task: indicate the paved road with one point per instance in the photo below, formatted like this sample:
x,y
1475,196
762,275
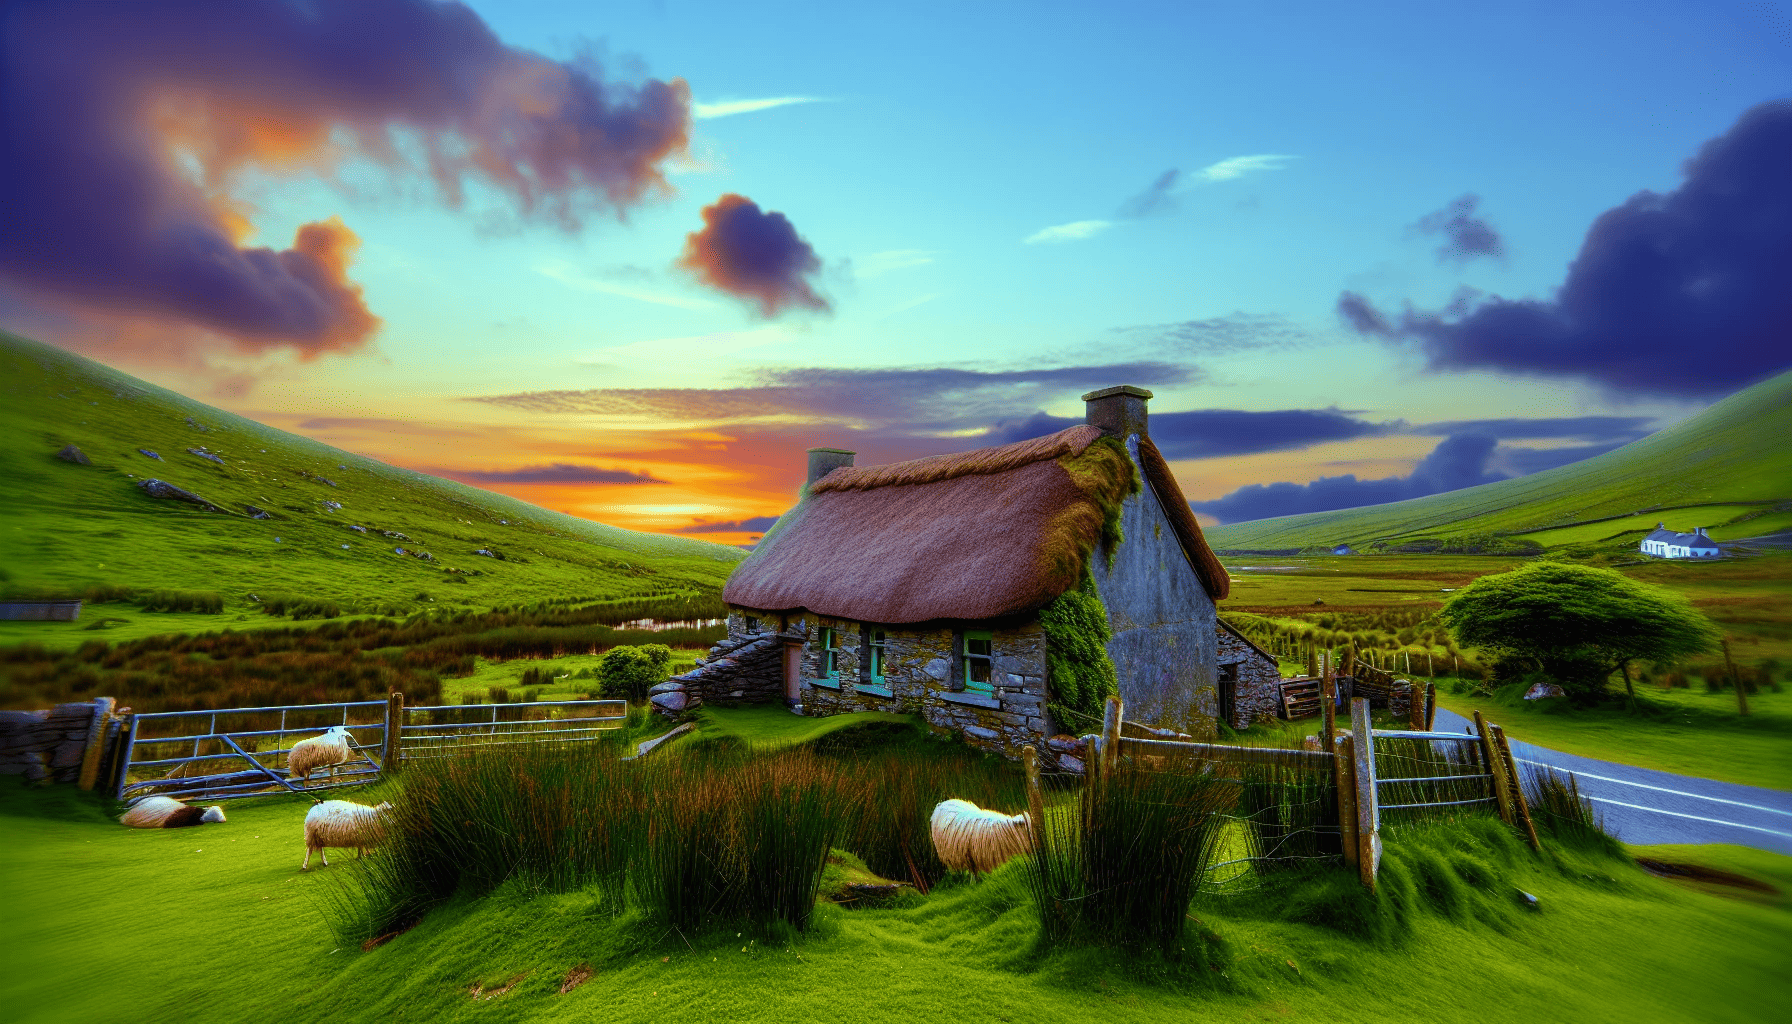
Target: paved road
x,y
1642,806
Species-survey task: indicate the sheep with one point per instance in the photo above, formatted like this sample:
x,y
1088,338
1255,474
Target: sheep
x,y
326,751
968,838
167,812
342,823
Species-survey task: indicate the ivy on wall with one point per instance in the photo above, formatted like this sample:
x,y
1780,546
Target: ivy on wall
x,y
1081,675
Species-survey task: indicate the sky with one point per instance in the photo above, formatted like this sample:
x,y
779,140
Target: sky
x,y
628,261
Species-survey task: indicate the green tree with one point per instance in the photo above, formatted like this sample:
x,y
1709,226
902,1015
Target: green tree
x,y
1577,623
628,671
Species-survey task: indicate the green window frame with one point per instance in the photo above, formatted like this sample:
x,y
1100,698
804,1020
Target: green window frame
x,y
830,653
979,661
880,646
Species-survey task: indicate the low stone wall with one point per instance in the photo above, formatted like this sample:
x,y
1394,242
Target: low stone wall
x,y
50,745
745,668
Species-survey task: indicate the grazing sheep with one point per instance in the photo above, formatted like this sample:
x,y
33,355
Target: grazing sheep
x,y
342,824
968,838
326,751
167,812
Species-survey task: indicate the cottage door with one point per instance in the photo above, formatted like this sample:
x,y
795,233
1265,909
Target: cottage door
x,y
793,672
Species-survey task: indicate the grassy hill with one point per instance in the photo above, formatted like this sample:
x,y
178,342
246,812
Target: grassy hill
x,y
1729,467
66,528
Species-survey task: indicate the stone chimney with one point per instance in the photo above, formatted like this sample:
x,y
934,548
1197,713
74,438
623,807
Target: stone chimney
x,y
823,461
1118,411
1698,531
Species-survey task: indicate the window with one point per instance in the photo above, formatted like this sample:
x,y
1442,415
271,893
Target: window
x,y
752,624
830,653
979,658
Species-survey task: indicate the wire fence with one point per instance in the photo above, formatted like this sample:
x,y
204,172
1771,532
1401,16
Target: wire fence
x,y
435,732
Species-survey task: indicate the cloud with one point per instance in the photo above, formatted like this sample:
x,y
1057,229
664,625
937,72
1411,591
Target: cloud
x,y
1226,335
728,108
753,255
1465,235
880,263
936,400
129,129
1157,198
566,275
1210,433
757,524
1579,428
1239,166
554,473
1687,294
1457,462
1525,461
1075,231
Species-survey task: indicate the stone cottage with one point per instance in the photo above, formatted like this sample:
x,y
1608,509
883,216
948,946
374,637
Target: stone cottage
x,y
1250,680
920,587
1665,543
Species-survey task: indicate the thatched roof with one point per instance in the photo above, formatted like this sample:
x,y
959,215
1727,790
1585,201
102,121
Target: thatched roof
x,y
980,535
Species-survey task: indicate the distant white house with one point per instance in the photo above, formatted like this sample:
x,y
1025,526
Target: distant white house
x,y
1665,543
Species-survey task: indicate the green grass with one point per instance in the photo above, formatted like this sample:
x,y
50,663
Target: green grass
x,y
65,526
1632,529
106,924
1733,452
509,673
774,727
1688,731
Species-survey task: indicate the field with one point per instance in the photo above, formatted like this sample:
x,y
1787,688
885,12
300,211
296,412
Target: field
x,y
66,527
1700,472
154,906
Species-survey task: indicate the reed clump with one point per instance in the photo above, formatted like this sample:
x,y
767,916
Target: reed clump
x,y
1123,865
1560,812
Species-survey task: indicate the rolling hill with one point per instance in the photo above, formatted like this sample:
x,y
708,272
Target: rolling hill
x,y
65,527
1729,467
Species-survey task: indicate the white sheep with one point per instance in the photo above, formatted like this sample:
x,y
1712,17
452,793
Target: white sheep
x,y
326,751
342,824
167,812
969,838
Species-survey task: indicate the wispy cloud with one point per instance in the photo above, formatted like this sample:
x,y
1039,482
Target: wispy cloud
x,y
728,108
880,263
1239,166
570,277
554,473
1075,231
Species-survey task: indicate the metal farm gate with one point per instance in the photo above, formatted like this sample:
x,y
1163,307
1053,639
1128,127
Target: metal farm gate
x,y
238,752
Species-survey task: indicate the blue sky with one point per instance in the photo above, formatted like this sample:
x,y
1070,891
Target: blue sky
x,y
973,187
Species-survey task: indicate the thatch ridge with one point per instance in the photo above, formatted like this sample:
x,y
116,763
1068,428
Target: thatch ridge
x,y
1182,520
983,461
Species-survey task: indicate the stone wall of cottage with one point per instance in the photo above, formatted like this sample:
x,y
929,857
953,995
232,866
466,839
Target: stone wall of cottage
x,y
1164,648
50,744
918,679
746,667
1258,692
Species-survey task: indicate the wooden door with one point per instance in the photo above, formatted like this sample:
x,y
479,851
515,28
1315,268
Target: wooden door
x,y
793,672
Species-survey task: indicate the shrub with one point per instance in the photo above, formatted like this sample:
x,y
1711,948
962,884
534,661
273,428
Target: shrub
x,y
628,672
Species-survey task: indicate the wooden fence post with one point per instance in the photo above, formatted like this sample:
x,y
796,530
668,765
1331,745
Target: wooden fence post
x,y
96,742
392,751
1430,706
1110,733
1415,705
1496,768
121,755
1035,798
1511,767
1328,700
1344,775
1368,809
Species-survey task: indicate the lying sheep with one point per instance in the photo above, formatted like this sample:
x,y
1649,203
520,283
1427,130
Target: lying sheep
x,y
342,824
326,751
968,838
167,812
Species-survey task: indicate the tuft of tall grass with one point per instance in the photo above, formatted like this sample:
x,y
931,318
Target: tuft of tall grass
x,y
207,602
1558,810
1123,867
897,787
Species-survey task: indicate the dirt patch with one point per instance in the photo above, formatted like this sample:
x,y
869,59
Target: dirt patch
x,y
577,976
383,939
1710,876
479,991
